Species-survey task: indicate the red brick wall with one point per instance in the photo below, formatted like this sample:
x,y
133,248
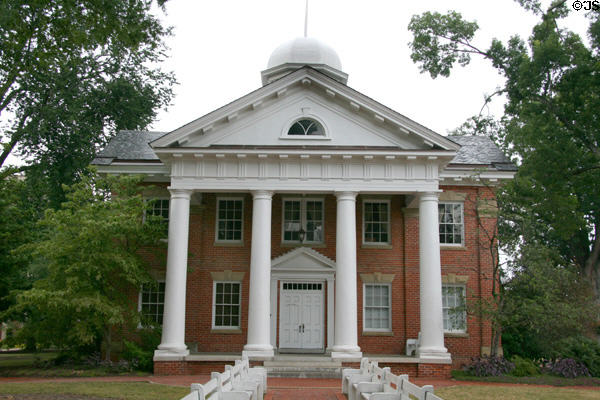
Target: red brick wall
x,y
402,260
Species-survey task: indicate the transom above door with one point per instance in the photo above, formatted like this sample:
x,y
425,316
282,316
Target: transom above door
x,y
301,316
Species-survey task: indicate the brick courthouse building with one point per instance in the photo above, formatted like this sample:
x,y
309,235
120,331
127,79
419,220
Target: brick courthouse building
x,y
305,217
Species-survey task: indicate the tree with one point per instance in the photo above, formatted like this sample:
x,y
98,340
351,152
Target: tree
x,y
545,302
17,219
550,125
72,73
90,248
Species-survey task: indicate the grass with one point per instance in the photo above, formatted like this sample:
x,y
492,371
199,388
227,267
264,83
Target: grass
x,y
20,360
543,379
515,393
36,364
116,390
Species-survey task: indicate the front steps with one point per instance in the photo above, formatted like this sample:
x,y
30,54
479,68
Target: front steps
x,y
303,366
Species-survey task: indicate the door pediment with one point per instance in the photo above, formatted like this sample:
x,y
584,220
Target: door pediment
x,y
303,259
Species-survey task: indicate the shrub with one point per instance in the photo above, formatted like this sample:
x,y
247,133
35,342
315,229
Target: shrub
x,y
524,367
139,358
582,349
141,354
567,367
489,366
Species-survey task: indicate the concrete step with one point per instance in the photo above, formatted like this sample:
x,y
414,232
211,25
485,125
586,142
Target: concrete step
x,y
304,372
304,367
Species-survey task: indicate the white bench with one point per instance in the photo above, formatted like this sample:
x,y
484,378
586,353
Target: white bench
x,y
404,390
241,381
375,384
219,387
347,372
254,371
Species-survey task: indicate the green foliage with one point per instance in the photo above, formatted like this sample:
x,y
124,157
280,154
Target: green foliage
x,y
90,250
72,73
582,349
141,354
545,302
524,367
17,216
437,39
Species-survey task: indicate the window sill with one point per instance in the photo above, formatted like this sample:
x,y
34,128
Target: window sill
x,y
450,247
226,331
383,246
377,333
456,335
229,244
315,245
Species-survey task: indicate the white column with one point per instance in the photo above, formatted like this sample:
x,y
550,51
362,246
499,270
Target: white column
x,y
259,323
432,325
173,331
346,326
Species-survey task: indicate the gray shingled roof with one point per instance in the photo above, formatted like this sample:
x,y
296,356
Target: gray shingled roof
x,y
128,145
135,145
480,150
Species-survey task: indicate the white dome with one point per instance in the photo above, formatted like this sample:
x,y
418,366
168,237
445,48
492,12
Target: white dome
x,y
305,50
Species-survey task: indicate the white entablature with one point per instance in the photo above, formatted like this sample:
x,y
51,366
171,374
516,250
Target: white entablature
x,y
394,173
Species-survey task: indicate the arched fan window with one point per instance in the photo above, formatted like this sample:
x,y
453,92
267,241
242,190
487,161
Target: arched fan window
x,y
306,127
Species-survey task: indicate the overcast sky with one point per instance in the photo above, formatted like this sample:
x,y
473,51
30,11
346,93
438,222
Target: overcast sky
x,y
220,47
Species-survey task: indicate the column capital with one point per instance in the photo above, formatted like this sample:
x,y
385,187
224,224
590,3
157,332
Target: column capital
x,y
262,194
181,193
429,196
345,195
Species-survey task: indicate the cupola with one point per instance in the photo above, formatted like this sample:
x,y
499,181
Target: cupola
x,y
300,52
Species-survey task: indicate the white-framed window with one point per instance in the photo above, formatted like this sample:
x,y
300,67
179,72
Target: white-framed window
x,y
451,223
303,215
454,308
306,127
376,221
159,207
377,307
227,304
230,219
151,302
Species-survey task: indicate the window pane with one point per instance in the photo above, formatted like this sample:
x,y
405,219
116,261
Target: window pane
x,y
376,222
229,224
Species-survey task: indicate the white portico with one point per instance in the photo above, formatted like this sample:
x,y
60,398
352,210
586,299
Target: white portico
x,y
304,132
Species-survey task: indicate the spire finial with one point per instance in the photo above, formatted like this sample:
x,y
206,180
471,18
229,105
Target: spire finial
x,y
306,20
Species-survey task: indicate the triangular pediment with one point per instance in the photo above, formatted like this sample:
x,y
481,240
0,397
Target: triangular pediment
x,y
303,259
263,117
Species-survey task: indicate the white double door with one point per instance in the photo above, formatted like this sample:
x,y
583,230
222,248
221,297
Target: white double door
x,y
301,319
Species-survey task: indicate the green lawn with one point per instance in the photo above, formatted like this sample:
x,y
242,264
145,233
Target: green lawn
x,y
116,390
21,360
515,393
32,364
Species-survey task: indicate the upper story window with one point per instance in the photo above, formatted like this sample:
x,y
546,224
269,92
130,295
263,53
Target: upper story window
x,y
303,220
451,223
230,219
376,222
306,127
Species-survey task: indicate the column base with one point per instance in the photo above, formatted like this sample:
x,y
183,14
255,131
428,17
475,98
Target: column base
x,y
170,354
258,354
346,351
433,353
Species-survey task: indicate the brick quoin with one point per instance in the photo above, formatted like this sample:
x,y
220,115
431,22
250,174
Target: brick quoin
x,y
401,259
